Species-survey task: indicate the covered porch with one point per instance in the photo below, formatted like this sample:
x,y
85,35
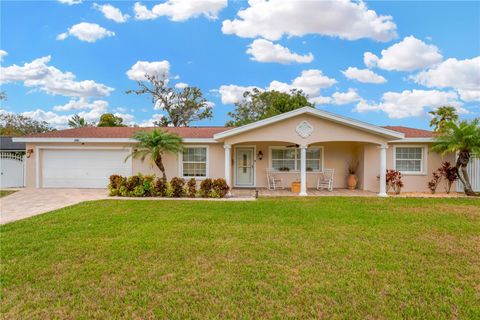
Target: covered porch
x,y
264,192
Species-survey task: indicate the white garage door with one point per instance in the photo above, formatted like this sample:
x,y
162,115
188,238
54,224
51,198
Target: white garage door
x,y
86,168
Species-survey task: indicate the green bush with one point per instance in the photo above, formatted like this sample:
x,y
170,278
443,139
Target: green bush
x,y
149,185
161,187
138,191
122,191
220,187
177,185
206,187
116,181
192,188
169,190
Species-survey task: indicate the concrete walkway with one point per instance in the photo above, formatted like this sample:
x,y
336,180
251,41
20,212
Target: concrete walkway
x,y
31,202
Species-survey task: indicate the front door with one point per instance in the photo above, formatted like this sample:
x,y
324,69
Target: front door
x,y
244,167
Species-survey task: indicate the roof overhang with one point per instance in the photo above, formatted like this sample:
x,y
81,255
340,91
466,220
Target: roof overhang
x,y
407,140
317,113
100,140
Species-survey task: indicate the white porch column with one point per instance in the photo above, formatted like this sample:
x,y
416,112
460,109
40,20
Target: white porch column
x,y
228,166
303,171
383,171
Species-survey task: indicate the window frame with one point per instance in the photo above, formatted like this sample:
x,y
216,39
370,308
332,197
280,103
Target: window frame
x,y
423,161
207,162
296,159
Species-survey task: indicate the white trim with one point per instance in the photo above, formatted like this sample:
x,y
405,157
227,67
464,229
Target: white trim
x,y
315,112
38,148
383,171
103,140
207,162
254,159
423,163
270,148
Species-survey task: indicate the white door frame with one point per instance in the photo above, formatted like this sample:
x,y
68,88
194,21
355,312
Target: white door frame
x,y
37,156
254,159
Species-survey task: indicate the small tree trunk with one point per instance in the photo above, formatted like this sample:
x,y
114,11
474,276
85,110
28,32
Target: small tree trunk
x,y
462,162
160,166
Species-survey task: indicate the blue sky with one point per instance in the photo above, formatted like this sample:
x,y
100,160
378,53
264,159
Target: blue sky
x,y
430,58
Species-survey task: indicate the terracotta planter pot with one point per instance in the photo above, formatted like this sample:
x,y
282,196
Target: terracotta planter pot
x,y
352,181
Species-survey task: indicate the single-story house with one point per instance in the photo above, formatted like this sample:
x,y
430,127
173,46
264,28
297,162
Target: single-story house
x,y
296,145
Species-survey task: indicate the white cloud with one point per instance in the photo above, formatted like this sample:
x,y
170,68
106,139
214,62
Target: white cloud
x,y
411,103
462,75
141,68
406,55
232,93
363,75
3,53
70,2
180,10
52,80
112,13
81,104
181,85
85,31
150,122
341,98
310,82
343,19
263,50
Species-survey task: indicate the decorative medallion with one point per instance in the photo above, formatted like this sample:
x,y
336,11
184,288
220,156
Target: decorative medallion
x,y
304,129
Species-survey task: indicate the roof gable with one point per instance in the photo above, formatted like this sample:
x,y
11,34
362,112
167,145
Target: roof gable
x,y
317,113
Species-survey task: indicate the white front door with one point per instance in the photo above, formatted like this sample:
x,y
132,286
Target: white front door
x,y
244,167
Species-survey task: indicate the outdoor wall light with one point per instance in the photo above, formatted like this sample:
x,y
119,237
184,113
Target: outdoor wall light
x,y
260,155
29,152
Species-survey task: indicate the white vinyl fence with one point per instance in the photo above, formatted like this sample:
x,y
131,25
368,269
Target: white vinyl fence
x,y
12,170
473,173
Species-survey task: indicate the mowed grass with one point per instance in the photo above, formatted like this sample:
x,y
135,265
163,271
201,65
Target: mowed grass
x,y
4,193
348,258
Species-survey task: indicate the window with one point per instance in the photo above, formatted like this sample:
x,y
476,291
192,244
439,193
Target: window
x,y
409,159
194,162
288,159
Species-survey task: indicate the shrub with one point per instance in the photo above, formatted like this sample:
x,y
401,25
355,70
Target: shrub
x,y
205,187
177,185
149,185
132,182
449,173
436,178
161,187
220,187
138,191
116,181
394,181
192,188
169,190
122,191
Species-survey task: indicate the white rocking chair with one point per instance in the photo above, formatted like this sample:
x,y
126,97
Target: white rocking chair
x,y
274,183
325,180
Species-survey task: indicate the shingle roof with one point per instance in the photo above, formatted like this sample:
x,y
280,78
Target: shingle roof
x,y
411,132
6,144
127,132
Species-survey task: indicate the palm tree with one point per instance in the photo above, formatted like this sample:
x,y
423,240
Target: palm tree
x,y
462,138
77,122
155,144
441,116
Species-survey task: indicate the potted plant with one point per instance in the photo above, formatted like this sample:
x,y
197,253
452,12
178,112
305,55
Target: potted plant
x,y
352,179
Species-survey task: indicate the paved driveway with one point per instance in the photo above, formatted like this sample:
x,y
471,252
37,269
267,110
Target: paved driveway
x,y
31,202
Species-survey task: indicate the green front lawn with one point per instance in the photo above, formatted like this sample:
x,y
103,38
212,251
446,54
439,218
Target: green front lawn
x,y
274,258
4,193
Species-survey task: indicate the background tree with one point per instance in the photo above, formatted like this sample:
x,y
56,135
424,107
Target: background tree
x,y
3,95
182,105
78,122
12,124
155,144
257,105
441,116
110,120
462,137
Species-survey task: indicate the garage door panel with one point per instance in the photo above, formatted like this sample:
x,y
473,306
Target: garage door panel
x,y
86,168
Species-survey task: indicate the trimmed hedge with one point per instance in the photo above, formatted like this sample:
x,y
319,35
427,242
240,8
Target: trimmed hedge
x,y
150,186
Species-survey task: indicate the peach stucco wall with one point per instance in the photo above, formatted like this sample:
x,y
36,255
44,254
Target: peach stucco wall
x,y
216,166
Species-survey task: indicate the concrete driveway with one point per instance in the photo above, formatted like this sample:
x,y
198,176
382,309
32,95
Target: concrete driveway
x,y
31,202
